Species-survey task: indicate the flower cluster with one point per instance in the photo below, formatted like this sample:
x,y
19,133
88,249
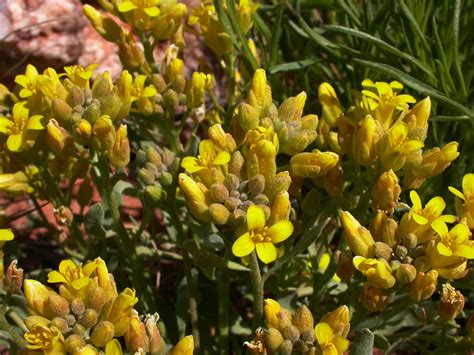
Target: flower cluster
x,y
412,252
297,333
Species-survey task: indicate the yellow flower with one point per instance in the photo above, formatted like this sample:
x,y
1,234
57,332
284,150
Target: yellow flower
x,y
80,76
338,320
245,12
313,164
454,242
74,277
19,182
197,197
5,236
139,13
465,200
385,192
20,128
168,21
197,87
332,108
377,271
424,285
330,343
271,309
324,263
143,96
27,81
261,237
184,347
47,340
395,146
207,159
449,267
120,311
113,347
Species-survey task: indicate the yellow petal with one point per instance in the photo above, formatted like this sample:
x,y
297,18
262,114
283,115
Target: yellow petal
x,y
456,192
342,344
419,219
222,158
6,235
255,217
436,206
56,277
280,231
126,6
14,142
266,252
443,249
243,246
113,347
149,91
415,200
35,123
464,250
396,85
152,11
460,232
440,227
468,185
206,147
191,164
324,333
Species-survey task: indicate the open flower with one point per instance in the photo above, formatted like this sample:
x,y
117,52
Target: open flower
x,y
330,343
20,128
139,13
47,340
465,200
454,242
381,93
261,237
377,271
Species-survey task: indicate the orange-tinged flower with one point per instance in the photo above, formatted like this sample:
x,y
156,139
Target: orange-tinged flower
x,y
465,200
330,343
261,237
377,271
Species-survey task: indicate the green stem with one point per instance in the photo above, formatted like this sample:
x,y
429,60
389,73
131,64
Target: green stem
x,y
223,297
5,326
192,295
257,290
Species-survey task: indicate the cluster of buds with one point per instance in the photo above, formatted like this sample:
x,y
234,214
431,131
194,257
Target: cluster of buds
x,y
211,29
87,314
151,19
288,333
156,170
381,132
412,252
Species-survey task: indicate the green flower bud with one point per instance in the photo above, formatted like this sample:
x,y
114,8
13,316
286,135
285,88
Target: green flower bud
x,y
405,274
92,112
286,348
58,304
102,333
62,110
107,28
303,319
257,184
89,318
248,117
401,251
158,82
171,99
219,213
382,250
410,240
219,192
76,96
273,339
153,193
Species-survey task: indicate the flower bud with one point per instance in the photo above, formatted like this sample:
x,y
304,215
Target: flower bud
x,y
357,237
77,306
405,274
13,277
365,139
119,155
59,139
291,333
422,263
34,321
74,342
58,304
278,185
332,108
273,339
260,94
345,268
338,320
314,164
136,337
373,299
271,308
62,110
154,337
89,318
107,28
153,194
236,164
452,303
184,347
382,250
37,296
218,192
248,117
377,271
64,216
196,87
386,192
286,348
103,134
303,319
82,132
61,324
102,333
284,318
97,299
423,286
196,200
219,213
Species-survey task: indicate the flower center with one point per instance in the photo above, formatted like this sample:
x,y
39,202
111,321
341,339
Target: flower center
x,y
260,235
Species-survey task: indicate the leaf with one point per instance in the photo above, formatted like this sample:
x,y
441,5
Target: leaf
x,y
296,65
204,258
417,85
414,25
383,45
325,44
213,242
94,221
276,36
363,343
